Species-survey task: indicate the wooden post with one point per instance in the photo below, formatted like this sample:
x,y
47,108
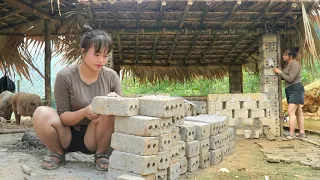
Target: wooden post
x,y
47,61
235,79
280,84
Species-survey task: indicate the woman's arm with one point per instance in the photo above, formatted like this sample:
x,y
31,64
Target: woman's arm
x,y
294,71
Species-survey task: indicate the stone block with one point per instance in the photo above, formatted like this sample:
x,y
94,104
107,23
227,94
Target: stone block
x,y
233,122
175,136
258,96
165,143
215,157
113,174
214,97
138,125
226,112
214,106
201,107
174,171
215,122
183,165
204,160
192,148
249,105
182,148
256,113
269,88
163,160
232,105
193,163
129,177
264,104
226,97
117,106
162,174
174,154
135,144
202,129
177,120
160,106
241,97
166,125
187,132
128,162
240,113
231,134
215,142
187,109
224,151
224,139
204,146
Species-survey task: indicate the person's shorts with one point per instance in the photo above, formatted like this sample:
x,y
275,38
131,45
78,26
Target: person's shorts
x,y
77,140
295,93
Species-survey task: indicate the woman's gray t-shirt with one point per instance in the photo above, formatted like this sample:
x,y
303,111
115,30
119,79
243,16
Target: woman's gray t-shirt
x,y
72,94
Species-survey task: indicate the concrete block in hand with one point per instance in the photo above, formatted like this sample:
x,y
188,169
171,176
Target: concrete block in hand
x,y
117,106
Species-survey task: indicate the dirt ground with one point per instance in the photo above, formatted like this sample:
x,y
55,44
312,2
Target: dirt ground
x,y
248,162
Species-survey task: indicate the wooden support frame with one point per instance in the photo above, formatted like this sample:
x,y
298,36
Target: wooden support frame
x,y
185,13
90,12
173,65
137,47
154,48
279,84
28,8
286,13
138,15
114,14
248,48
162,8
234,46
234,9
204,15
300,17
209,48
119,46
265,9
47,59
194,41
172,48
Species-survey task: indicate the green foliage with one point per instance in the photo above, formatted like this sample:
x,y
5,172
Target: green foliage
x,y
198,87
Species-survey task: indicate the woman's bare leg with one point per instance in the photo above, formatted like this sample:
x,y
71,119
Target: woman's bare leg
x,y
292,117
300,119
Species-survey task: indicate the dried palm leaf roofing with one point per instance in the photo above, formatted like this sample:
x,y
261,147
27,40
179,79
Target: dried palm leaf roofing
x,y
154,39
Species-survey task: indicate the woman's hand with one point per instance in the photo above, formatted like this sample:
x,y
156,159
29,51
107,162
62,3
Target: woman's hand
x,y
89,114
276,70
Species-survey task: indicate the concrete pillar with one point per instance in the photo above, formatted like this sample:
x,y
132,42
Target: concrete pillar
x,y
235,79
270,80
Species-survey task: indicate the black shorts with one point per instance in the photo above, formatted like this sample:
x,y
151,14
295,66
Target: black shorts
x,y
77,140
295,93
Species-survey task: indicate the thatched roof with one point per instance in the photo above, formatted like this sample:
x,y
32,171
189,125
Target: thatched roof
x,y
176,38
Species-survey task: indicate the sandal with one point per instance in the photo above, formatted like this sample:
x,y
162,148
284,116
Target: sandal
x,y
52,160
102,162
301,135
289,138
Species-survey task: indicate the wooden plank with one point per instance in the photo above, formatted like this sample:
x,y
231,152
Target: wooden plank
x,y
154,48
28,8
47,60
185,13
25,21
90,12
137,47
265,9
204,15
114,14
119,46
279,59
172,48
173,65
160,17
209,48
234,9
194,41
234,46
248,48
138,15
300,17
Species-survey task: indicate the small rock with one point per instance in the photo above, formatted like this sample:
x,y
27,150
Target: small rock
x,y
316,165
224,170
272,158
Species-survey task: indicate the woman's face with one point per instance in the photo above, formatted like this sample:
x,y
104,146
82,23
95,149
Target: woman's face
x,y
95,61
286,56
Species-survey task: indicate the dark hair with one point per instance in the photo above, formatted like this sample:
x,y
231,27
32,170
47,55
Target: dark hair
x,y
97,38
292,52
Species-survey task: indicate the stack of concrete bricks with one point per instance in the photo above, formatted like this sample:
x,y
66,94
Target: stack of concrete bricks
x,y
212,136
245,111
269,80
194,108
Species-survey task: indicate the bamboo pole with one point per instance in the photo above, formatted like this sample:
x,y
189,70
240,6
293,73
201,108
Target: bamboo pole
x,y
47,61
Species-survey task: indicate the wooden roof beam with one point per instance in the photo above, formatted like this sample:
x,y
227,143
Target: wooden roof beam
x,y
119,45
176,65
138,13
234,9
172,48
137,47
204,15
28,8
248,48
300,17
185,13
114,14
286,13
265,9
160,18
194,41
209,48
154,48
90,12
25,21
234,46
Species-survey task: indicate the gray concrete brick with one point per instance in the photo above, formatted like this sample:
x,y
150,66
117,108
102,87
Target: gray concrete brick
x,y
215,157
193,163
162,174
201,107
204,146
177,120
225,112
241,97
204,160
182,148
215,121
183,165
250,105
215,142
187,132
118,106
257,113
232,105
257,96
240,113
174,154
202,129
166,125
163,160
135,144
224,151
160,106
226,97
192,148
232,134
165,142
214,97
129,177
128,162
187,109
233,122
214,106
175,136
174,171
113,174
138,125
